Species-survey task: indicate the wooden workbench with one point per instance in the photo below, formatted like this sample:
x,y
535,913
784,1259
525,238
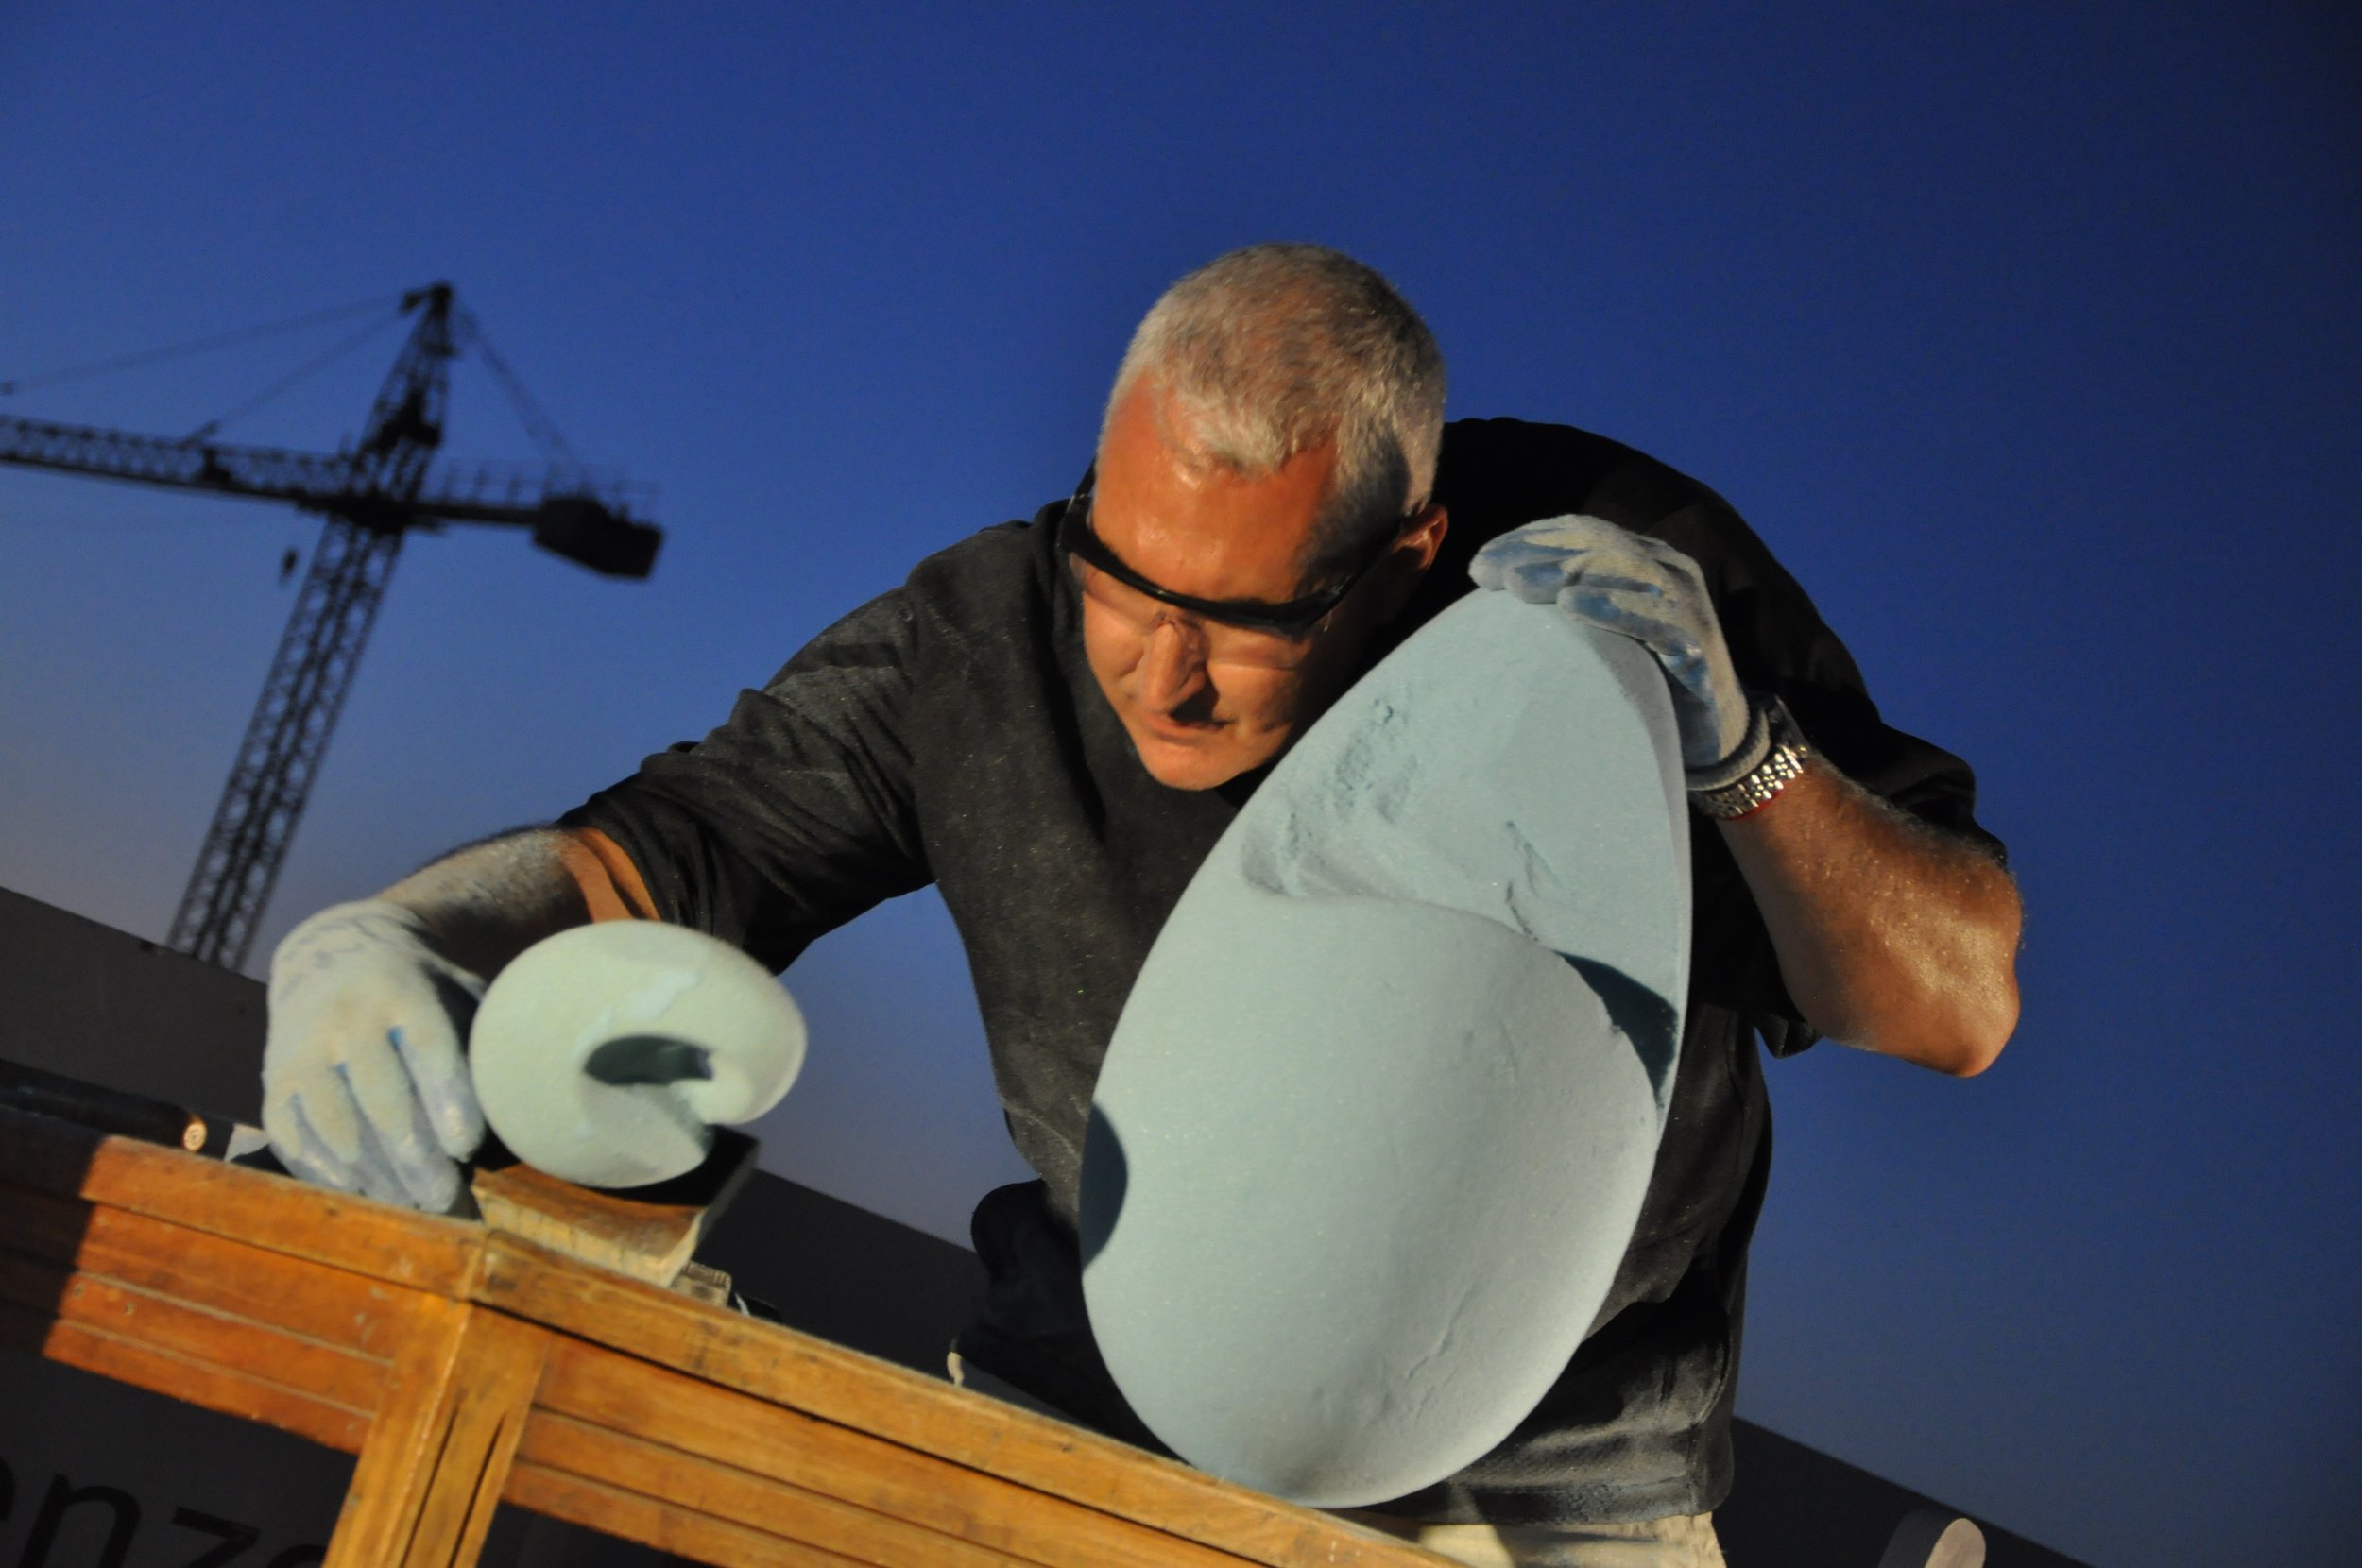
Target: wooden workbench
x,y
465,1367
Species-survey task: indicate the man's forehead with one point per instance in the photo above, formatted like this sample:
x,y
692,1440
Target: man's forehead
x,y
1163,495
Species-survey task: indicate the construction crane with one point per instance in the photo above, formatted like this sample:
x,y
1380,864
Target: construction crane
x,y
373,494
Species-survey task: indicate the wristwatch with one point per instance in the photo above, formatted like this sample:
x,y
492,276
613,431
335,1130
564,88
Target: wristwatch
x,y
1783,763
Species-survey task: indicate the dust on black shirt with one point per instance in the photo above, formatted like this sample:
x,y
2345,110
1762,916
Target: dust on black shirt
x,y
950,731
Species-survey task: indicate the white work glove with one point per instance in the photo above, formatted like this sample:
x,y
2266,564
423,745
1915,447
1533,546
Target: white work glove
x,y
365,1085
1645,589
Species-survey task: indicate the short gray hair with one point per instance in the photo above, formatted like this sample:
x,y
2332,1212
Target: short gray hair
x,y
1278,347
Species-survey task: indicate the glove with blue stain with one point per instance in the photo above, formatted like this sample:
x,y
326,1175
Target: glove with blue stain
x,y
1646,589
365,1084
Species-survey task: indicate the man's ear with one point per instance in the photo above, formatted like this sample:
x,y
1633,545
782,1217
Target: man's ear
x,y
1413,554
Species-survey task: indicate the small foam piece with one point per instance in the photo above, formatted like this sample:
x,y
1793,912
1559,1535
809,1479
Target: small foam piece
x,y
606,1054
1375,1128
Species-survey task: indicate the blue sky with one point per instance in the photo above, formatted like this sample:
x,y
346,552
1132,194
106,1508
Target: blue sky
x,y
2027,336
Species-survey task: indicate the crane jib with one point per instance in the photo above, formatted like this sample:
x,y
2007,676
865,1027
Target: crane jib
x,y
374,493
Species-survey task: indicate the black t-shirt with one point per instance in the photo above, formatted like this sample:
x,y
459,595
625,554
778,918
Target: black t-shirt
x,y
950,731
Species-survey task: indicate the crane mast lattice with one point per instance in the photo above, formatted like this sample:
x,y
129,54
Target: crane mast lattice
x,y
372,495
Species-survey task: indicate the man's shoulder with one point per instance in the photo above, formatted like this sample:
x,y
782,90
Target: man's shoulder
x,y
1497,473
989,584
1005,547
1501,438
992,573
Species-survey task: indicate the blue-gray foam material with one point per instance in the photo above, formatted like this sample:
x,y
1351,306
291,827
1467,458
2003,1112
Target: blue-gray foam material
x,y
603,1054
1376,1125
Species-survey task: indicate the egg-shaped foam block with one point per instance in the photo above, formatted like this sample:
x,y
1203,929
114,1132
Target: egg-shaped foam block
x,y
606,1054
1375,1127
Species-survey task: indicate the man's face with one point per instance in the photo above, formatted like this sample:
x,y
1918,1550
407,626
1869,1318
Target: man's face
x,y
1197,718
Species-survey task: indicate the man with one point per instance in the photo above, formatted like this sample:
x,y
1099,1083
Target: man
x,y
1054,722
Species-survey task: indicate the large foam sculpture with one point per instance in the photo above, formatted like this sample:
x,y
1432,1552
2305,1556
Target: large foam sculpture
x,y
606,1054
1374,1130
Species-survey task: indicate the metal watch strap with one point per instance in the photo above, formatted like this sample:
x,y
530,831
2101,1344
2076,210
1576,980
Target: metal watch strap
x,y
1782,765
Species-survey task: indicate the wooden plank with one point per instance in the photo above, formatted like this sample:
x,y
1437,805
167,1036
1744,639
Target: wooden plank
x,y
695,1483
651,1521
438,1453
188,1260
497,1368
191,1332
331,1306
648,1232
278,1213
232,1390
661,1406
799,1372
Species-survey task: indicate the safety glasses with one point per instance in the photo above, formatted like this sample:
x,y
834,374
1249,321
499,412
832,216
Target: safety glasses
x,y
1240,631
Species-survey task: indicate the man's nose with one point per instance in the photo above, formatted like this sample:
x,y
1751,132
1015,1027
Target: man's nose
x,y
1172,666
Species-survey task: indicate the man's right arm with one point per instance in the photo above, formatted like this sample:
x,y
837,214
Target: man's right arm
x,y
365,1075
491,901
794,816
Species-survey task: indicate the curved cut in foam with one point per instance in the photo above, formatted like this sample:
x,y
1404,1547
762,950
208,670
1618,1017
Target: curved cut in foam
x,y
1375,1128
606,1054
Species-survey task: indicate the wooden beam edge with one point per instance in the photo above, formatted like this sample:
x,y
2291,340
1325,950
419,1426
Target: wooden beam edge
x,y
276,1213
171,1326
745,1498
594,1399
229,1390
829,1381
634,1517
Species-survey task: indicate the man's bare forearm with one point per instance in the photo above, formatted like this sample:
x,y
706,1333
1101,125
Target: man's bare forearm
x,y
1892,936
490,901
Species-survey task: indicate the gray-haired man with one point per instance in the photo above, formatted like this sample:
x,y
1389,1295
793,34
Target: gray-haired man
x,y
1053,722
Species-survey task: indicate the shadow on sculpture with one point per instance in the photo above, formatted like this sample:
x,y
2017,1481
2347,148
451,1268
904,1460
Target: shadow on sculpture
x,y
657,1059
1642,1017
1106,1176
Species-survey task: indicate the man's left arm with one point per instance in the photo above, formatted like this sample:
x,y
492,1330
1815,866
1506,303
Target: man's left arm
x,y
1891,934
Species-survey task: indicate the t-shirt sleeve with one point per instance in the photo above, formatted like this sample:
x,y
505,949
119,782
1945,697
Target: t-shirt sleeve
x,y
797,813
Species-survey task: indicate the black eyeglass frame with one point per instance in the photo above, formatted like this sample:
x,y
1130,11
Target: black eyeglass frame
x,y
1294,620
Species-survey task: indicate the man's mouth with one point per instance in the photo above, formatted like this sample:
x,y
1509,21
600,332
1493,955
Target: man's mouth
x,y
1167,727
